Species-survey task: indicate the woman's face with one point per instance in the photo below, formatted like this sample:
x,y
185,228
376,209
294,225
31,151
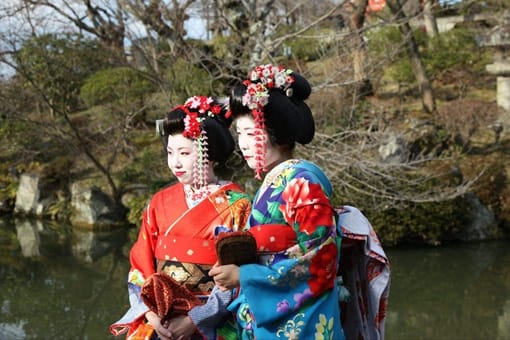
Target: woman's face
x,y
247,139
181,157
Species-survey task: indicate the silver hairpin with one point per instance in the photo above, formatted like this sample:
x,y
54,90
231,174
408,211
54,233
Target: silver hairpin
x,y
160,130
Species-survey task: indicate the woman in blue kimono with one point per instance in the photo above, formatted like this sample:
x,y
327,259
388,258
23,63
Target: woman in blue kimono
x,y
291,293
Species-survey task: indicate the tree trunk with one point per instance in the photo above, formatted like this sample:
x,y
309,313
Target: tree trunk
x,y
429,18
359,55
427,96
424,85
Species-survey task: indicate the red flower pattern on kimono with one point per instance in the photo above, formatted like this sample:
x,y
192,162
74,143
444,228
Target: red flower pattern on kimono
x,y
374,269
306,205
323,269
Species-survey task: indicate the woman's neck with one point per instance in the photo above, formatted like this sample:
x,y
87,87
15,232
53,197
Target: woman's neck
x,y
195,193
285,155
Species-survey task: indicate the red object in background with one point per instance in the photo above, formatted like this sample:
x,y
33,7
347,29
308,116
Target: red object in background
x,y
376,5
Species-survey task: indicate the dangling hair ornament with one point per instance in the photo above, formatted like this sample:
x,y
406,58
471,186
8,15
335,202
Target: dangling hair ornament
x,y
261,79
197,109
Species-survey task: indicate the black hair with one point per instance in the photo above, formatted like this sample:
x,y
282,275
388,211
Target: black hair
x,y
287,117
220,142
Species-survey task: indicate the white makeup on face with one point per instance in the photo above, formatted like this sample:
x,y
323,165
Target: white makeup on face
x,y
181,157
247,139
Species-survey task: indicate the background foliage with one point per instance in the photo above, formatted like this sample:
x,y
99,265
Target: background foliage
x,y
82,101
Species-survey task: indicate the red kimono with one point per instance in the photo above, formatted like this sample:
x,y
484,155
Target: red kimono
x,y
180,241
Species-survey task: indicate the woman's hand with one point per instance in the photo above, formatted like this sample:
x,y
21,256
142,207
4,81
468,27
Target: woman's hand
x,y
160,329
182,327
226,277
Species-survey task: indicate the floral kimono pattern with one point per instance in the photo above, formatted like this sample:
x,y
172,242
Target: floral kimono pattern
x,y
292,292
180,241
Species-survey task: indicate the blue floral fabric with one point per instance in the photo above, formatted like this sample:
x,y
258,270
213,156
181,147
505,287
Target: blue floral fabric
x,y
291,293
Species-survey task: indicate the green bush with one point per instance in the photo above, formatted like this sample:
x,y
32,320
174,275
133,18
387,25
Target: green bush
x,y
221,46
149,167
185,80
427,223
115,84
386,45
452,50
308,47
135,206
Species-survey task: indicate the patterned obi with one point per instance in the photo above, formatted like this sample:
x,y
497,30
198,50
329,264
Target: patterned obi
x,y
193,276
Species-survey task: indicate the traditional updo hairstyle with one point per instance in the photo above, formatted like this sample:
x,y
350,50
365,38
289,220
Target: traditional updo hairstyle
x,y
288,119
275,97
206,122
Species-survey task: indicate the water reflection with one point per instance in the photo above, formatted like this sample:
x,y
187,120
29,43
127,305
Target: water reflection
x,y
37,239
90,246
454,292
61,283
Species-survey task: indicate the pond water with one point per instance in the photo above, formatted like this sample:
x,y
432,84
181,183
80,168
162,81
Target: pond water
x,y
60,283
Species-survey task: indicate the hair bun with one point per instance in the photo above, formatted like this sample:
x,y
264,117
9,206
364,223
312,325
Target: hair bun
x,y
300,87
306,131
224,116
289,119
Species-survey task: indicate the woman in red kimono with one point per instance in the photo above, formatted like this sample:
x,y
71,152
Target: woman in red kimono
x,y
177,235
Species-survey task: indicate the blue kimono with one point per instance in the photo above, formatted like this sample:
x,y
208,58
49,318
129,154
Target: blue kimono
x,y
292,292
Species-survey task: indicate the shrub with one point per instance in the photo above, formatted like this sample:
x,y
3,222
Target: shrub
x,y
463,117
114,84
149,168
386,46
185,80
426,223
449,51
492,188
456,49
307,47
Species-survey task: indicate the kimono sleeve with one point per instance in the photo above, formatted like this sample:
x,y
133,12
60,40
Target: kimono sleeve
x,y
142,256
142,265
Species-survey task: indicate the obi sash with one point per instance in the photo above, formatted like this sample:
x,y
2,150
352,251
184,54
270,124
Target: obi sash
x,y
273,238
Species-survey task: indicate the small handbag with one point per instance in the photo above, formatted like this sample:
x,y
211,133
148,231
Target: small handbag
x,y
238,247
166,297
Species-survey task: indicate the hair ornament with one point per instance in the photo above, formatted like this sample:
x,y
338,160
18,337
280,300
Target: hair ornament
x,y
272,76
192,128
200,169
261,79
160,127
203,106
197,109
256,96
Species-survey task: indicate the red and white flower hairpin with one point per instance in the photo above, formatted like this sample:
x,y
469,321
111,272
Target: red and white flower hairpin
x,y
197,109
261,79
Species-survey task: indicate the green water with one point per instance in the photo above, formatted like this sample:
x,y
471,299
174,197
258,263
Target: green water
x,y
71,285
453,292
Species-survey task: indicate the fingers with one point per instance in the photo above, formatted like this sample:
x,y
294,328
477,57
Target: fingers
x,y
222,288
164,333
215,271
160,329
